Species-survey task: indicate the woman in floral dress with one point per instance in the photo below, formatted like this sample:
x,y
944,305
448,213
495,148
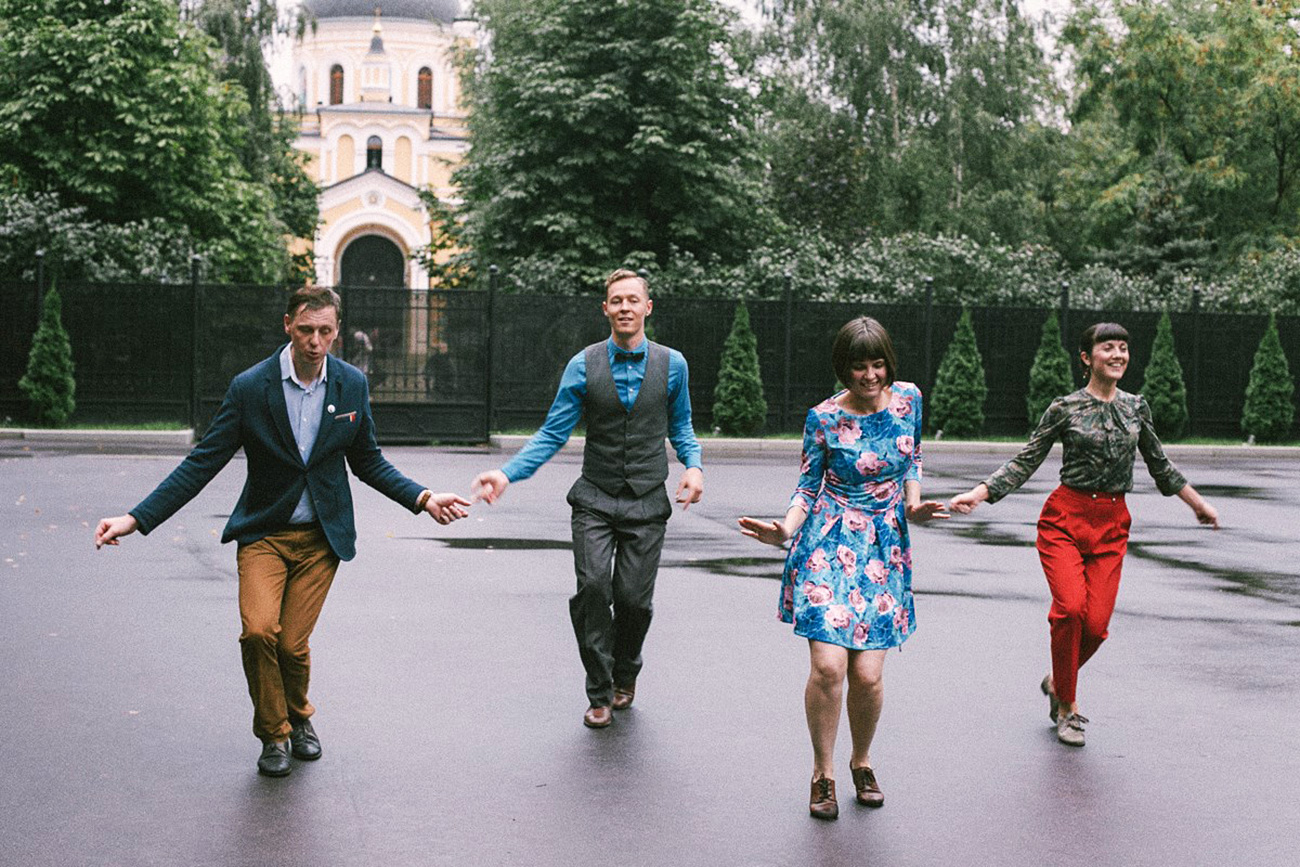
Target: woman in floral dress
x,y
847,585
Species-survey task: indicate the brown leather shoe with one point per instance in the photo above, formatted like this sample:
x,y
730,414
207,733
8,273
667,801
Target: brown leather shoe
x,y
597,717
869,794
822,803
623,696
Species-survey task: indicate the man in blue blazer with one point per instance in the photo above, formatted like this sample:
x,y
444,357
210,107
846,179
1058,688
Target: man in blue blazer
x,y
299,416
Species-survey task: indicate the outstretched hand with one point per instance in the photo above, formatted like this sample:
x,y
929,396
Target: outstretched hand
x,y
922,512
1207,514
964,504
488,486
111,529
767,532
445,508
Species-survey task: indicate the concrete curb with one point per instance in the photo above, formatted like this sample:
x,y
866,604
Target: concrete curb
x,y
181,438
723,447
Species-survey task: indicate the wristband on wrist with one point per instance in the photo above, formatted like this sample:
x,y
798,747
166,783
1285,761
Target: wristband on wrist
x,y
423,499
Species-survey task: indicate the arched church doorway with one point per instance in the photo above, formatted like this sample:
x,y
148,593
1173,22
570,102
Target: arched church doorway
x,y
375,306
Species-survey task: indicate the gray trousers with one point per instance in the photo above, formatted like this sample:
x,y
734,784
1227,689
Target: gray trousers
x,y
616,545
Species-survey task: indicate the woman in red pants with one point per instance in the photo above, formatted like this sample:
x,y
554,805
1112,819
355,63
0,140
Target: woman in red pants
x,y
1083,528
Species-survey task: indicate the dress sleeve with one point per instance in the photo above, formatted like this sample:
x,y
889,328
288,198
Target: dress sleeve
x,y
1168,479
1017,471
914,464
812,466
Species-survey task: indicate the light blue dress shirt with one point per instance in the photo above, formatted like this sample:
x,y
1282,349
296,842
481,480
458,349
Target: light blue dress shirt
x,y
306,403
628,375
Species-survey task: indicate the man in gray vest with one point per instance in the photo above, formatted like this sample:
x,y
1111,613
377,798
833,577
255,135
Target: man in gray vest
x,y
634,394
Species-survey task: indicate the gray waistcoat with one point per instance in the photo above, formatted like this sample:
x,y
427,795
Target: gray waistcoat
x,y
626,447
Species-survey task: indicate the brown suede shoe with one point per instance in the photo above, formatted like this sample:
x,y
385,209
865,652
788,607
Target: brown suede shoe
x,y
623,696
597,717
822,803
869,794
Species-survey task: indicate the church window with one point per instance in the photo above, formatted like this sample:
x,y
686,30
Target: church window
x,y
374,153
336,85
424,91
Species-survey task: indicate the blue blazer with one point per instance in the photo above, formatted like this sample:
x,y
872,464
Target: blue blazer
x,y
254,416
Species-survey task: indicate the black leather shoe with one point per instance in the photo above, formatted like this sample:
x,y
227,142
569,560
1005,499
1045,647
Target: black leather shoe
x,y
306,746
274,760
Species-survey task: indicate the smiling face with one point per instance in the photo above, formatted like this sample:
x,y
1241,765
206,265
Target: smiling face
x,y
626,305
868,380
311,333
1107,361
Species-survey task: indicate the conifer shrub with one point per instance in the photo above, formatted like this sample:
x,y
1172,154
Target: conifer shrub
x,y
738,405
957,406
1162,385
1052,374
48,383
1269,410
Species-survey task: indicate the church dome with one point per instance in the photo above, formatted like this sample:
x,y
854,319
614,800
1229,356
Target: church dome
x,y
445,11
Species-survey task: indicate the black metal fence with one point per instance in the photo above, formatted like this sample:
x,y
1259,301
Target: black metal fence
x,y
146,352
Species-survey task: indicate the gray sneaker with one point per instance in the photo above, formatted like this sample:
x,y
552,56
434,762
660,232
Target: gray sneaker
x,y
1069,729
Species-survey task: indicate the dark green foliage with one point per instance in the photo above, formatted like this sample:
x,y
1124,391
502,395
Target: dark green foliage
x,y
1163,387
1269,410
957,405
124,110
48,383
738,405
1051,376
606,131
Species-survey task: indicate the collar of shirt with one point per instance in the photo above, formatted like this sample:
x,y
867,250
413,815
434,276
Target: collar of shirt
x,y
287,371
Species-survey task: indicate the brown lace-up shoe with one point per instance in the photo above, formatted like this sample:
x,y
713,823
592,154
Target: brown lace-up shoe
x,y
869,794
623,696
822,803
597,717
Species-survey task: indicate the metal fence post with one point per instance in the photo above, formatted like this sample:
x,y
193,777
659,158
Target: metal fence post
x,y
195,314
1065,326
787,410
494,274
929,333
40,282
1195,402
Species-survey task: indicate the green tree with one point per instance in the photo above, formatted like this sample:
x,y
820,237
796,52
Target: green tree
x,y
118,108
1162,384
738,405
1051,375
1269,410
957,405
604,132
48,383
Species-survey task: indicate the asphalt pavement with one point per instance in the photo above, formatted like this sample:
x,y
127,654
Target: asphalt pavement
x,y
450,694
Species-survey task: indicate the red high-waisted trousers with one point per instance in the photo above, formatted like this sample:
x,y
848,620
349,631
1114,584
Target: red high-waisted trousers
x,y
1082,537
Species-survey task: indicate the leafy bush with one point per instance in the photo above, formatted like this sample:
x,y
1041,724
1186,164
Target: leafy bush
x,y
1269,410
1051,375
48,383
738,405
957,405
1162,384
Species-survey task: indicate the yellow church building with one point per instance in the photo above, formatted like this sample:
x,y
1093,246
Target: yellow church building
x,y
376,87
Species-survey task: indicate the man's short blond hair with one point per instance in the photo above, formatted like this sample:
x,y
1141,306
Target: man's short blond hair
x,y
626,274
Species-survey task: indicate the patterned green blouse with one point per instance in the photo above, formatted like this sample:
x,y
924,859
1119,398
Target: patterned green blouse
x,y
1099,441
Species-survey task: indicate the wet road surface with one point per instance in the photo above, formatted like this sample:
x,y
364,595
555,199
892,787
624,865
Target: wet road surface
x,y
449,691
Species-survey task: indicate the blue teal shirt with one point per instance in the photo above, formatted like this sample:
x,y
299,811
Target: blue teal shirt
x,y
628,375
305,404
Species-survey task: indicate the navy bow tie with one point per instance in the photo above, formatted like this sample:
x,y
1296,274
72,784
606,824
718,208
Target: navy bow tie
x,y
628,356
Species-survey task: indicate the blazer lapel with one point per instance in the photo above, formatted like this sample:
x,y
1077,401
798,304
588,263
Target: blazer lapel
x,y
279,409
333,391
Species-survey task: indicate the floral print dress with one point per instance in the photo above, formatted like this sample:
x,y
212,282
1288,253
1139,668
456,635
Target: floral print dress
x,y
848,576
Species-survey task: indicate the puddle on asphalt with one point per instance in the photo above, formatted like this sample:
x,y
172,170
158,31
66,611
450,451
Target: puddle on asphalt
x,y
1269,586
508,544
1239,492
